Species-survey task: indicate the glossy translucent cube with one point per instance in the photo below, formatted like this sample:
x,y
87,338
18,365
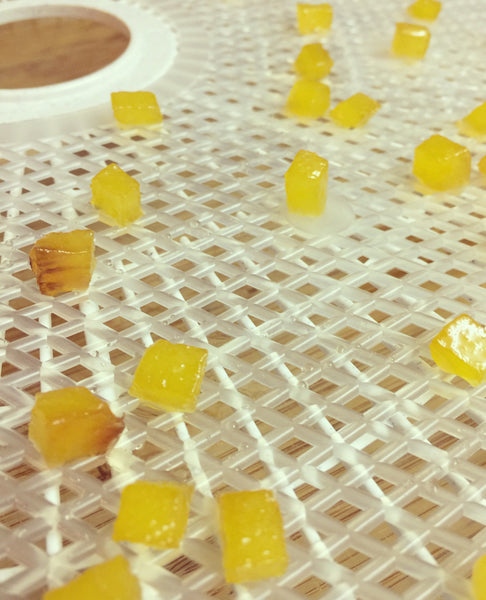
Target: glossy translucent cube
x,y
410,41
116,194
441,164
460,349
252,536
136,108
111,580
306,184
474,124
313,62
482,165
63,262
313,18
169,376
479,579
72,423
425,9
153,513
356,111
309,98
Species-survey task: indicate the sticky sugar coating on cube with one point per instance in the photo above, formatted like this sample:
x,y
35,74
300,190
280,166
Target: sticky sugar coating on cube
x,y
169,376
478,579
306,184
72,423
474,125
313,62
356,111
116,194
136,108
482,165
309,98
252,536
313,18
153,513
441,164
110,580
410,41
460,349
425,9
63,262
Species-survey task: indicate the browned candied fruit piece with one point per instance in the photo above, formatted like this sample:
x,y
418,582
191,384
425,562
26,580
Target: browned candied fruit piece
x,y
63,262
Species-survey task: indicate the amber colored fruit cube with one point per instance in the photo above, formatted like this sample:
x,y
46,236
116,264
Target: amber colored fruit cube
x,y
309,98
356,111
63,262
136,108
306,184
313,62
111,580
460,349
313,18
410,41
479,578
425,9
153,513
482,165
441,164
252,536
169,376
116,194
474,124
72,423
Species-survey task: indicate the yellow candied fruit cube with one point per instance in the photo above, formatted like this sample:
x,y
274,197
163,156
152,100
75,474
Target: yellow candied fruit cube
x,y
479,578
136,108
482,165
425,9
169,376
306,184
441,164
313,62
116,194
410,41
63,262
474,124
110,580
72,423
460,349
153,513
356,111
309,98
252,536
313,18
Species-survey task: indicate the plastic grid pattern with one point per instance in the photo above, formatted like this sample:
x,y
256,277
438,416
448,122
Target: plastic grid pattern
x,y
319,384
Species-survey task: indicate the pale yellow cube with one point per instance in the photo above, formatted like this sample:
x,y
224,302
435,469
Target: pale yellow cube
x,y
356,111
313,62
313,18
153,513
309,99
441,164
410,40
306,184
425,9
474,124
478,579
482,165
116,194
136,108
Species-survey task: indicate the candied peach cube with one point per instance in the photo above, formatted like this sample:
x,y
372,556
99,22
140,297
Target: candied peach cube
x,y
63,262
313,18
252,536
136,108
479,578
482,165
110,580
153,513
356,111
72,423
306,184
460,349
425,9
313,62
116,194
474,125
169,376
441,164
410,41
309,98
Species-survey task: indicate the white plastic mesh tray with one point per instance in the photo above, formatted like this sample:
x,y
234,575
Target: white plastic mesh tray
x,y
320,383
